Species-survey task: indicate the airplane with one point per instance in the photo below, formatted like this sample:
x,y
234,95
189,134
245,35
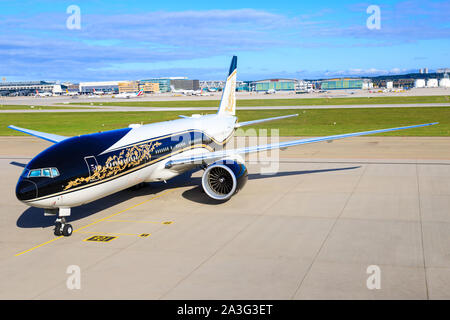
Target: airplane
x,y
177,91
202,93
181,91
71,93
81,169
43,94
100,93
128,95
95,94
271,91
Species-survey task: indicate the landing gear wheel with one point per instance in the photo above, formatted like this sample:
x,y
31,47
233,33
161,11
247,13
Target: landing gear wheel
x,y
58,227
67,230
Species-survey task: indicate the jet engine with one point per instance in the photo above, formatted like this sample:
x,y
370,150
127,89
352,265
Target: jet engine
x,y
224,178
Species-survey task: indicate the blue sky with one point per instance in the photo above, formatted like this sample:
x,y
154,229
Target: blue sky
x,y
124,40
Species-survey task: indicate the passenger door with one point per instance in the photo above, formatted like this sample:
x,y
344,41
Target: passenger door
x,y
92,164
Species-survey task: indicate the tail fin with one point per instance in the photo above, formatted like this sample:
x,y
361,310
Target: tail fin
x,y
228,101
140,92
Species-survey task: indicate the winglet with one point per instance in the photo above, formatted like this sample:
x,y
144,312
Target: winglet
x,y
233,65
228,101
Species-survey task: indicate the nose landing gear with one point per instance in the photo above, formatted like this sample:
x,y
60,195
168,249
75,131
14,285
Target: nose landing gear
x,y
62,228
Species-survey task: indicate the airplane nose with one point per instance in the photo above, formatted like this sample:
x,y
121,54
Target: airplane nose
x,y
26,190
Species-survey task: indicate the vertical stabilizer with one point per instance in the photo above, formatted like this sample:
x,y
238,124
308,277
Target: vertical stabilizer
x,y
228,101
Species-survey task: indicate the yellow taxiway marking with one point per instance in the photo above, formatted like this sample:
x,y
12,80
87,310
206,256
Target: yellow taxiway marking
x,y
38,246
100,238
115,214
117,233
139,221
110,220
97,221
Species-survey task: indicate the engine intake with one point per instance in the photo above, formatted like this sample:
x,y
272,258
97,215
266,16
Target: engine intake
x,y
223,179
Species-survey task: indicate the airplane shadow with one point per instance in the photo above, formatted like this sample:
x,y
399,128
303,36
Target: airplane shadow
x,y
197,194
34,217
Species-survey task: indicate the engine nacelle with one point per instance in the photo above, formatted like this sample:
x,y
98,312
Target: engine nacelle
x,y
224,178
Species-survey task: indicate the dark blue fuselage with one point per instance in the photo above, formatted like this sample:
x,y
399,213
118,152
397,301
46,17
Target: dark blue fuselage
x,y
82,161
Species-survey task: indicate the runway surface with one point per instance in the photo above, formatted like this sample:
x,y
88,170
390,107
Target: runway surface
x,y
310,231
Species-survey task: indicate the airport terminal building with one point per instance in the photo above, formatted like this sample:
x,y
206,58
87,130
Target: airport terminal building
x,y
29,87
166,84
273,84
345,83
102,86
153,85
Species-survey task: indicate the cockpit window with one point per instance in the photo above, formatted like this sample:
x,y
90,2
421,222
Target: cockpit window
x,y
35,173
46,172
55,172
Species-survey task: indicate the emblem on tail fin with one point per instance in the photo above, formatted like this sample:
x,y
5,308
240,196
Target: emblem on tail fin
x,y
228,101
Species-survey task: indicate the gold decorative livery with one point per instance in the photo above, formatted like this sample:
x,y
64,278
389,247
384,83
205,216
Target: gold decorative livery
x,y
128,158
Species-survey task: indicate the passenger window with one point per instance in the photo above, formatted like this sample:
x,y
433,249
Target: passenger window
x,y
55,172
46,173
35,173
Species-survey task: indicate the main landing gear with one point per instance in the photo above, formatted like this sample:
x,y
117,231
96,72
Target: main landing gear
x,y
138,186
62,228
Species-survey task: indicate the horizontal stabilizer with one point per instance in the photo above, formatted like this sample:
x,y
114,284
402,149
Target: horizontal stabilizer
x,y
42,135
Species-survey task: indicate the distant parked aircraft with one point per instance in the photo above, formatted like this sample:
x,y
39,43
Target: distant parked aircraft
x,y
71,93
43,94
181,91
128,95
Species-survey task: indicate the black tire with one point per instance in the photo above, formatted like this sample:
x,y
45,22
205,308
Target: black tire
x,y
58,229
67,230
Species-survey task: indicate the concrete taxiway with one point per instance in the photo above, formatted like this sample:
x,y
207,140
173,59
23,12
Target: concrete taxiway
x,y
190,109
309,231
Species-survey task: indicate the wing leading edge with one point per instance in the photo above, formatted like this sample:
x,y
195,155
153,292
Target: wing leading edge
x,y
248,123
227,153
42,135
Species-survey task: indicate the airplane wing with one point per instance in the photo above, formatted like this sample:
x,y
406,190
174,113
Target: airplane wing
x,y
247,123
213,156
46,136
